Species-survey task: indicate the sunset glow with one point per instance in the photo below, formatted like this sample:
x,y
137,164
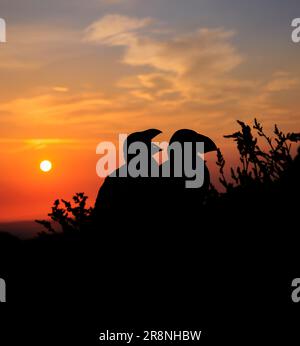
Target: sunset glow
x,y
75,75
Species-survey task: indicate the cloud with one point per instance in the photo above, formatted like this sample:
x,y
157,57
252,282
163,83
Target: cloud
x,y
184,67
114,28
192,73
60,89
281,82
206,50
67,114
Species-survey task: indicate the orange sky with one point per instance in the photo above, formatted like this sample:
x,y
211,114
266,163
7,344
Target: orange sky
x,y
70,79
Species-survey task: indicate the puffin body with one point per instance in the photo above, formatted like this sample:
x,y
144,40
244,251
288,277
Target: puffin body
x,y
119,193
178,196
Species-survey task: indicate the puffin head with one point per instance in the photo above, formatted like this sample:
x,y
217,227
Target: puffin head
x,y
191,136
143,137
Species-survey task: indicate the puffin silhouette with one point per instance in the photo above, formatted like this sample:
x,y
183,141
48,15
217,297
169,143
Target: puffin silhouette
x,y
178,195
119,193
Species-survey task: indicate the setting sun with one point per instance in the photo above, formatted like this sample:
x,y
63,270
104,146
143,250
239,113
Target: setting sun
x,y
46,166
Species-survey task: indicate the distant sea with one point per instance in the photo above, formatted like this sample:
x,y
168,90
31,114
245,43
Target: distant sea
x,y
21,229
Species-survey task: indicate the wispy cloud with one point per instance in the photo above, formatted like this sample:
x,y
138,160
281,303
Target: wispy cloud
x,y
60,89
192,72
114,29
282,82
183,65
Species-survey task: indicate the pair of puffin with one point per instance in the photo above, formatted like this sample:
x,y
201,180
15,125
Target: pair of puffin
x,y
119,193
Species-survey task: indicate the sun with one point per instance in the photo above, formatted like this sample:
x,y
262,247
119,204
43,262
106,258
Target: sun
x,y
46,166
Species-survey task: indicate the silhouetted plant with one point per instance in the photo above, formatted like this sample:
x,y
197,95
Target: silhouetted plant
x,y
72,217
258,165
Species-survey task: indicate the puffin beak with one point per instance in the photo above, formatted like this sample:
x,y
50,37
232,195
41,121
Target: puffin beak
x,y
155,149
209,145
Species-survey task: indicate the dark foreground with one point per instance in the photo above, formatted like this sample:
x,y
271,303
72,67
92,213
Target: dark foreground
x,y
228,275
224,267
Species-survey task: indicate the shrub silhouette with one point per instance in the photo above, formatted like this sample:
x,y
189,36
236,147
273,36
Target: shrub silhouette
x,y
258,165
71,217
